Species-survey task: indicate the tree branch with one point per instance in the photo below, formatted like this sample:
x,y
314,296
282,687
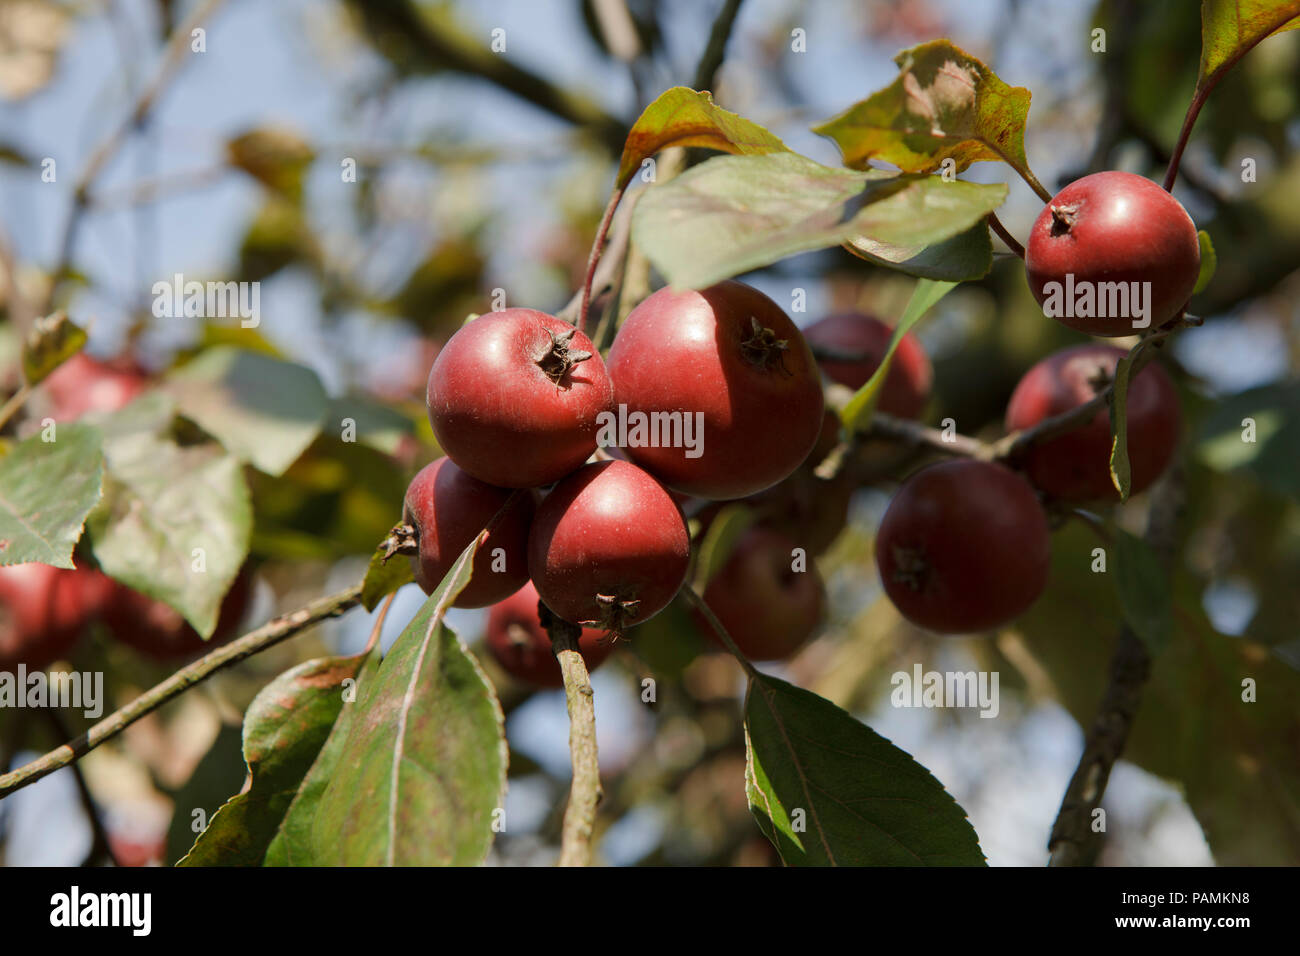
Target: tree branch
x,y
443,46
716,48
269,634
1074,842
177,45
585,791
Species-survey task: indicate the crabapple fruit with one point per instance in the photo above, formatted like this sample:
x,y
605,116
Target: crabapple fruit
x,y
964,546
1112,239
43,610
768,608
519,643
448,508
608,548
728,358
907,386
1075,466
513,398
159,631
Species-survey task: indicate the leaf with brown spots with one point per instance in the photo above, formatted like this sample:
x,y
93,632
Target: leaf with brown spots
x,y
284,730
944,104
685,117
1231,28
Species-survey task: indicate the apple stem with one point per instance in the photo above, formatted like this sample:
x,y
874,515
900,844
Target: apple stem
x,y
1193,111
694,597
597,247
1004,234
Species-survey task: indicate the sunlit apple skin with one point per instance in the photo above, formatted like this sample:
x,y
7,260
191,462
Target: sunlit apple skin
x,y
731,359
1114,227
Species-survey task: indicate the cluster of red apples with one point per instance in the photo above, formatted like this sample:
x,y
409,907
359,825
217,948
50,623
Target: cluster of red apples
x,y
516,399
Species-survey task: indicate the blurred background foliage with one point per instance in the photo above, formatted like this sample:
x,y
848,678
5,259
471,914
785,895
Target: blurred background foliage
x,y
384,172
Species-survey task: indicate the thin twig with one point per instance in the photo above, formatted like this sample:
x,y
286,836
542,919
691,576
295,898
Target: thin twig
x,y
1005,235
14,403
269,634
914,433
716,48
585,791
1074,840
712,620
177,45
597,249
100,847
443,46
1184,134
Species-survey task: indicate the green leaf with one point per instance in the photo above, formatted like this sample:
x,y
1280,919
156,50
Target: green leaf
x,y
864,802
284,729
47,488
732,214
166,506
1209,261
264,410
52,341
728,525
292,843
367,422
276,157
1257,431
424,767
1121,475
684,117
1231,28
1233,759
1142,586
966,256
277,237
383,578
944,104
857,413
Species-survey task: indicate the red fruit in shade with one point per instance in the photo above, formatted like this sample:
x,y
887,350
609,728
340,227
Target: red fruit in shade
x,y
608,547
448,509
513,401
1075,466
964,546
520,644
82,385
1113,227
729,353
43,610
907,386
158,630
768,608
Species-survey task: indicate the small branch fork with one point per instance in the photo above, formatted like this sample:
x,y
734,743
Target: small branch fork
x,y
1010,447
